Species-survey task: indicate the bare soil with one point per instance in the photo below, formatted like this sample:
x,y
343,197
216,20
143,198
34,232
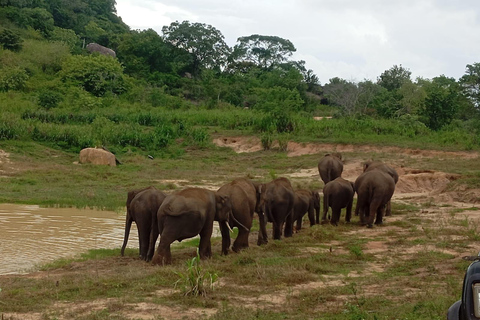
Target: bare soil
x,y
415,186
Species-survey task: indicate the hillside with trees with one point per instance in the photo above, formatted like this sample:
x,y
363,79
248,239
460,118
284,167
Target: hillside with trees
x,y
174,86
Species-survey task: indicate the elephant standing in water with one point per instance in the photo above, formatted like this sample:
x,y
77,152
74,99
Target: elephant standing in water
x,y
142,207
243,195
379,165
330,167
276,202
187,213
338,194
306,201
374,189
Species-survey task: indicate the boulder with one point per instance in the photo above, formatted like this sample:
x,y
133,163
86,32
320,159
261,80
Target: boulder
x,y
97,156
95,47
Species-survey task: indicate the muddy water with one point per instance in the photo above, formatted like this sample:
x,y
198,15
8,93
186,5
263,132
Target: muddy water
x,y
30,235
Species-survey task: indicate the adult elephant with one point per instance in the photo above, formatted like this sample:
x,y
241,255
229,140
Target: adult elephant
x,y
374,189
276,202
379,165
305,201
330,167
187,213
338,194
142,207
243,194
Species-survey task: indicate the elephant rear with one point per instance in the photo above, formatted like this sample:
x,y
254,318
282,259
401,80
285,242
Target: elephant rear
x,y
330,167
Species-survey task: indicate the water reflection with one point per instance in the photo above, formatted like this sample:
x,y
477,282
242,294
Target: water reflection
x,y
30,235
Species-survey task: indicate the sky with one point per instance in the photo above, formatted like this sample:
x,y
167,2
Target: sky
x,y
351,39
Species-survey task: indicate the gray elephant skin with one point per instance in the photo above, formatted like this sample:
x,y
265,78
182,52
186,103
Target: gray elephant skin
x,y
142,207
330,167
306,201
374,189
379,165
276,203
187,213
243,194
338,194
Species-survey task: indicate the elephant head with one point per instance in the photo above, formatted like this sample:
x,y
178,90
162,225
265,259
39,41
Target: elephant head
x,y
224,211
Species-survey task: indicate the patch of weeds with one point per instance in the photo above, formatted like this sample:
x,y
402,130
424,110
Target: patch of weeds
x,y
195,282
356,250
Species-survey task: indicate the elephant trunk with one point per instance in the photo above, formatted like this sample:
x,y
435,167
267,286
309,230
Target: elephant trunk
x,y
236,222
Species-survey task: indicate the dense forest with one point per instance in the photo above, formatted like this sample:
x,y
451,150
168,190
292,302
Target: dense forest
x,y
162,87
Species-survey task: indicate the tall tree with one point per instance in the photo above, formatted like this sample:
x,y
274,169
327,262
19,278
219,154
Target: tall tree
x,y
470,83
205,43
263,51
393,78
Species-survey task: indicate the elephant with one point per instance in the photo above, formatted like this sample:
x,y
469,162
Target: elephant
x,y
330,167
374,189
379,165
276,203
243,195
338,194
305,201
142,206
187,213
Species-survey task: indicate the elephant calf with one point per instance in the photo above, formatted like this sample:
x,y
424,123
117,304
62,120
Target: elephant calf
x,y
374,189
187,213
330,167
306,201
142,207
338,194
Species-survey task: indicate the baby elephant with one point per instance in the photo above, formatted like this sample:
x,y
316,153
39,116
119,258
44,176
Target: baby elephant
x,y
305,201
338,194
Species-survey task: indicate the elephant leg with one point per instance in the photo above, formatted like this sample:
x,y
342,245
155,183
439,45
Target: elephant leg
x,y
335,215
288,232
128,225
144,238
348,214
311,216
375,211
242,240
299,224
163,256
151,247
379,219
205,247
389,209
225,237
262,235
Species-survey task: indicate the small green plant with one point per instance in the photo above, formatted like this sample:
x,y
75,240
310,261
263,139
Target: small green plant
x,y
266,140
195,281
283,141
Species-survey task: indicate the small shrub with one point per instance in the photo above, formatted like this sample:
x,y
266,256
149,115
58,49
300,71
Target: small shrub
x,y
49,98
266,140
13,79
11,41
195,281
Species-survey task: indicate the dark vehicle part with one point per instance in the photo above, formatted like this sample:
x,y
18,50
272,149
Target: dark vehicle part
x,y
469,307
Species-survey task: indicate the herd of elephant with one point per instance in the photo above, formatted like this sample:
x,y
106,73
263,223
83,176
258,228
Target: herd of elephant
x,y
190,212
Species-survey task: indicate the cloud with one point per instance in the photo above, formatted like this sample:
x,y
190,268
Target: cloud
x,y
349,39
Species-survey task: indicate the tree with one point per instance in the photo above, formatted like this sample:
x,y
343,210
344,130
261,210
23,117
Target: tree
x,y
342,93
97,74
441,102
470,83
10,40
263,51
205,43
393,78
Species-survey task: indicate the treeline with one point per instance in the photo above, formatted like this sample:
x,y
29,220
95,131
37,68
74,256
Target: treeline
x,y
52,89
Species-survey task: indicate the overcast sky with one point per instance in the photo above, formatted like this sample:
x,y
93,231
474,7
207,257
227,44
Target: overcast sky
x,y
350,39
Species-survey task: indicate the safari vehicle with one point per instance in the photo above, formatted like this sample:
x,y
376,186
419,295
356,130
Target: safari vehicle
x,y
468,308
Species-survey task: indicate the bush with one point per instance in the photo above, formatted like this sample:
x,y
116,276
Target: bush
x,y
13,78
49,98
10,40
